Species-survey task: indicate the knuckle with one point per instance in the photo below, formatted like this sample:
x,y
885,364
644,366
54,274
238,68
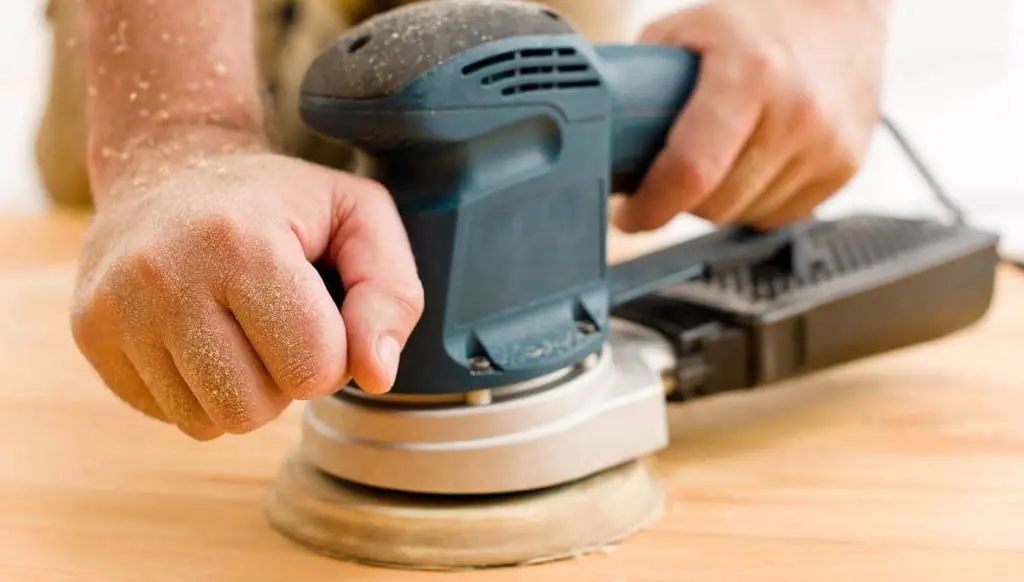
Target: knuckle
x,y
191,420
377,192
253,420
698,175
201,431
364,186
758,70
224,237
144,271
241,423
411,298
374,188
764,70
306,375
808,113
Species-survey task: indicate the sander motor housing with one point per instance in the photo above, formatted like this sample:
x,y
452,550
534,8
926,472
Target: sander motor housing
x,y
501,133
500,136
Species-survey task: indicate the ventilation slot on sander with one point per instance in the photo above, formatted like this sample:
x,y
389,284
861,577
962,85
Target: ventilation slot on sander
x,y
825,293
535,69
822,252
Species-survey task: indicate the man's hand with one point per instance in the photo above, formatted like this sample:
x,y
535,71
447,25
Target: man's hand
x,y
781,117
197,301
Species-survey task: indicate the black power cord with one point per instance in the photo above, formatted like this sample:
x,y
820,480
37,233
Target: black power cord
x,y
938,191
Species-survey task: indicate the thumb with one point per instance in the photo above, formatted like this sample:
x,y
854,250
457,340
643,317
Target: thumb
x,y
383,293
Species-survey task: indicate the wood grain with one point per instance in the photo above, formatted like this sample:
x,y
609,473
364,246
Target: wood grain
x,y
910,466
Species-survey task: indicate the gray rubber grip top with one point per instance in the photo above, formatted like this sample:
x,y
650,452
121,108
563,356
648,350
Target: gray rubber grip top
x,y
411,40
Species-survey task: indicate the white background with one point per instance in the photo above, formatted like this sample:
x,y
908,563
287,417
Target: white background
x,y
955,82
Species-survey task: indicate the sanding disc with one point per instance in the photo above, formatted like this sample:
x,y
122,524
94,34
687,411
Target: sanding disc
x,y
387,528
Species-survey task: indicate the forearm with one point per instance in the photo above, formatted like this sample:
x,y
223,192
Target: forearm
x,y
154,66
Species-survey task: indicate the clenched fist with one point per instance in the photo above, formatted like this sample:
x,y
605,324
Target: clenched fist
x,y
197,300
781,117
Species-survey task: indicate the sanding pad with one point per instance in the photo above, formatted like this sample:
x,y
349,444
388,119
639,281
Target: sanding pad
x,y
386,528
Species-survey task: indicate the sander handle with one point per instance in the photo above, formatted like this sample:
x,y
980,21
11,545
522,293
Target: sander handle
x,y
650,85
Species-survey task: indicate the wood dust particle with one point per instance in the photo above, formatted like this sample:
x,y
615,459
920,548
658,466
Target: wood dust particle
x,y
221,69
133,96
165,36
122,43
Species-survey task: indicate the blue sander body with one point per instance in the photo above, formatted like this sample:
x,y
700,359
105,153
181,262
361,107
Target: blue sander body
x,y
502,134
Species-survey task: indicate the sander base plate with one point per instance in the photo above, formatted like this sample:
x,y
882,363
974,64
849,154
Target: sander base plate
x,y
450,532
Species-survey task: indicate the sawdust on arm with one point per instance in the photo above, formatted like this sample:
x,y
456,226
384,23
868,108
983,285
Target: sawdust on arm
x,y
152,66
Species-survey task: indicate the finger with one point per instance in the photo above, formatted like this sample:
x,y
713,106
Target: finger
x,y
103,351
223,372
120,377
824,179
784,139
292,334
761,160
800,206
794,177
170,391
383,293
701,146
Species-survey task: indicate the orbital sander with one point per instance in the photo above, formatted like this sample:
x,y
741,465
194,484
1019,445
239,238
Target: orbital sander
x,y
538,378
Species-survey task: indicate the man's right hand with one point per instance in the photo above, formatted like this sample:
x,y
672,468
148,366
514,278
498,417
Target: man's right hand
x,y
197,301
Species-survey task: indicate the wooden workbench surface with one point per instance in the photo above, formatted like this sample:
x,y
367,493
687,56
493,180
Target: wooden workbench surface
x,y
907,467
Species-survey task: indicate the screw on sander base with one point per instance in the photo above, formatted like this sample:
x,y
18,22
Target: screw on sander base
x,y
480,364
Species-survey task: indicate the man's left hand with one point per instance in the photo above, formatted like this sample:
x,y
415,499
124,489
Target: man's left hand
x,y
782,115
